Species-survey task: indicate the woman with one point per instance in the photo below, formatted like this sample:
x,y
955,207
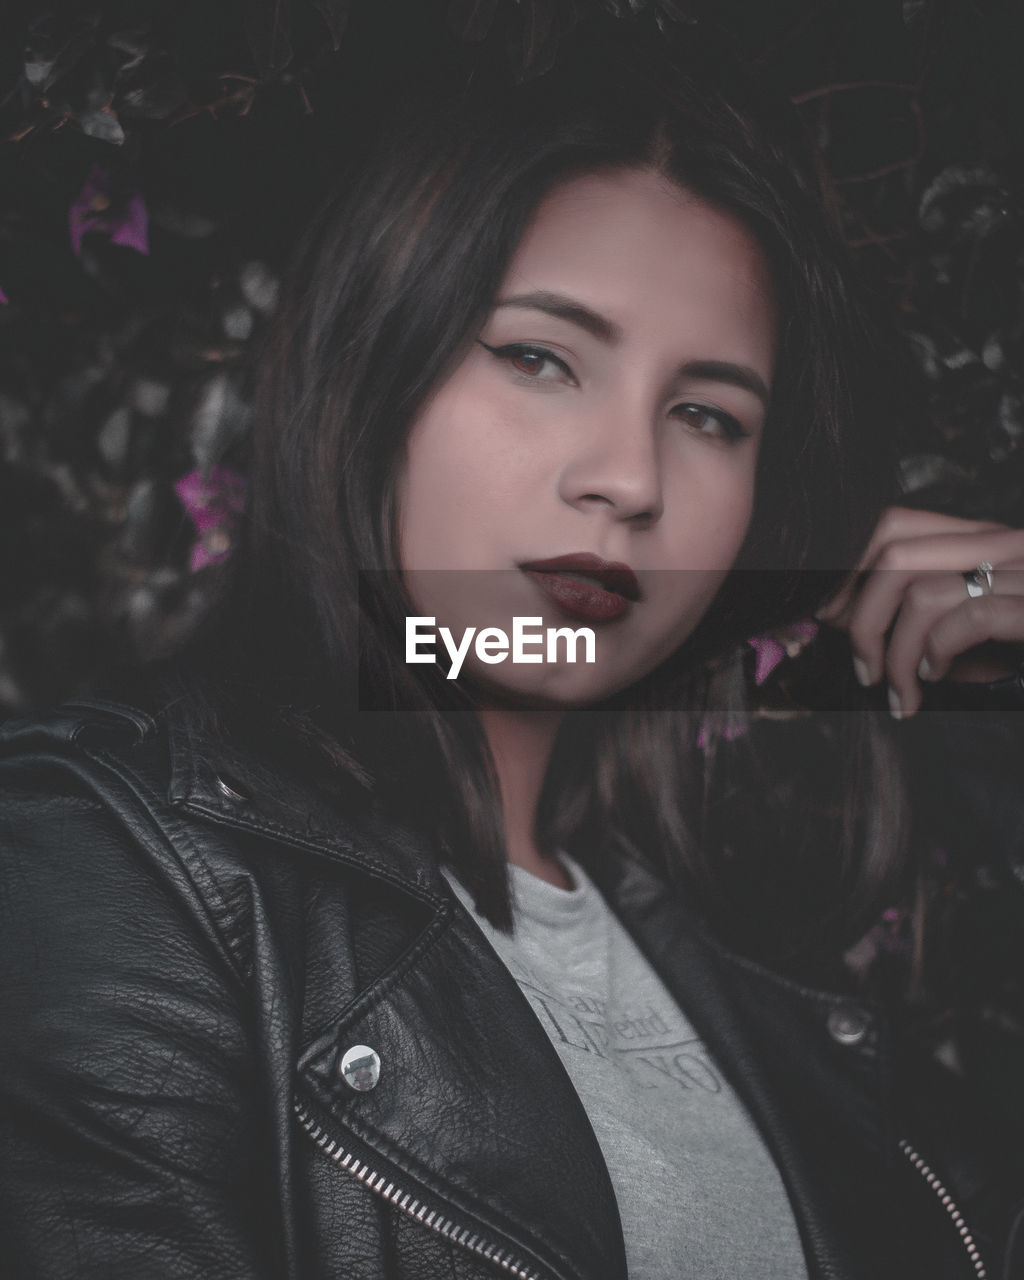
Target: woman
x,y
327,964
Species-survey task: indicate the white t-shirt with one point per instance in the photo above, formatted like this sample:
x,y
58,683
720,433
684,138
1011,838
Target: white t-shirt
x,y
698,1193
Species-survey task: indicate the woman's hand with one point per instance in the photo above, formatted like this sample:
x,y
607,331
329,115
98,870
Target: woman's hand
x,y
907,609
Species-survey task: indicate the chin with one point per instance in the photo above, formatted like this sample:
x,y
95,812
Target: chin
x,y
555,689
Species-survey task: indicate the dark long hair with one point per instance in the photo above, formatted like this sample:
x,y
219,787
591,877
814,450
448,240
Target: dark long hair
x,y
389,289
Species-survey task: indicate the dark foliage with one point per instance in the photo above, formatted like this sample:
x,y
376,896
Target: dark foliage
x,y
157,161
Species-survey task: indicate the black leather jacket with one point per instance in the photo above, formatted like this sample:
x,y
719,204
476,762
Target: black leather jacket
x,y
192,940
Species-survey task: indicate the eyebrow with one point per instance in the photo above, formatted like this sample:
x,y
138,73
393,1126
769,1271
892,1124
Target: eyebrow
x,y
556,304
598,326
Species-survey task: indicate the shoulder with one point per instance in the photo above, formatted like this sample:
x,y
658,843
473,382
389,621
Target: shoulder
x,y
131,1042
153,795
93,755
81,767
158,763
101,873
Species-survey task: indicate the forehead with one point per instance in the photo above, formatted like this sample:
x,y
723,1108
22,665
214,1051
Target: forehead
x,y
643,251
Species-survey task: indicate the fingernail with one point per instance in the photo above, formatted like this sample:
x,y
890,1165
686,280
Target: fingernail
x,y
895,710
860,670
924,669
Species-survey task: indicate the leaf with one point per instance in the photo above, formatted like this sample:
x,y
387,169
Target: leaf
x,y
102,124
220,418
1011,416
49,54
38,71
335,15
149,84
953,180
926,352
237,321
993,355
156,99
960,357
683,11
115,437
268,30
929,471
534,52
472,19
259,287
150,397
15,427
134,41
152,518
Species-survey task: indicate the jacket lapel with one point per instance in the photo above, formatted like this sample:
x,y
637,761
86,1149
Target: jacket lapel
x,y
473,1115
473,1106
758,1027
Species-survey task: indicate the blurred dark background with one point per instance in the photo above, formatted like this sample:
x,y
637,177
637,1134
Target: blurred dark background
x,y
159,158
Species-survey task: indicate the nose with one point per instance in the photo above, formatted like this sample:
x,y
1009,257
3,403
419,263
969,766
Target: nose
x,y
616,463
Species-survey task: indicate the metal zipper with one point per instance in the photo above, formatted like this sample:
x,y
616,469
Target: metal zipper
x,y
946,1200
416,1209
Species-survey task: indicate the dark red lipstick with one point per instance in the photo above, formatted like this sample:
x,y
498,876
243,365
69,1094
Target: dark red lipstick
x,y
585,586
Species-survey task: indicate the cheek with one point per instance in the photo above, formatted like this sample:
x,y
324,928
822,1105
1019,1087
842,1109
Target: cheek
x,y
736,513
708,515
449,479
427,518
701,547
469,472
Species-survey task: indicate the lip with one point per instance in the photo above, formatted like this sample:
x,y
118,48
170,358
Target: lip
x,y
607,591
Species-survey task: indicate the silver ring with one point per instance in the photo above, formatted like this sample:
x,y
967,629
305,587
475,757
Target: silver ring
x,y
979,580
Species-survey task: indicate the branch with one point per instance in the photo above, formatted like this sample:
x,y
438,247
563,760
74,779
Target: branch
x,y
842,87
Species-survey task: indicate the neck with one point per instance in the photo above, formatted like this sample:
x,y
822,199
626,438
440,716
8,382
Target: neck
x,y
521,743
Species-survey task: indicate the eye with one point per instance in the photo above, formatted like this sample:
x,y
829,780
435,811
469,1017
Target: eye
x,y
712,422
538,364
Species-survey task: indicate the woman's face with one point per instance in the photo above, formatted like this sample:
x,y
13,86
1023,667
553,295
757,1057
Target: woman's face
x,y
611,410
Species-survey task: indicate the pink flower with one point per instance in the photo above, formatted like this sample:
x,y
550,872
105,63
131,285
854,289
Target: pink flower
x,y
120,216
769,653
894,931
787,642
213,503
3,298
891,935
769,650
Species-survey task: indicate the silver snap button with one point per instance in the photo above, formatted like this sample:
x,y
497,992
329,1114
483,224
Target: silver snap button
x,y
847,1024
227,790
360,1067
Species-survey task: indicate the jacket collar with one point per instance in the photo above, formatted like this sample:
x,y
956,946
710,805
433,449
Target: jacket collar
x,y
758,1026
219,779
478,1110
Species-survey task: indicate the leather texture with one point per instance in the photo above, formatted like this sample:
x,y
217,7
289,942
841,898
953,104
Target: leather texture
x,y
191,940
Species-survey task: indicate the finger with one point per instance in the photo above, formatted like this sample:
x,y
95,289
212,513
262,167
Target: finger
x,y
873,610
872,615
833,609
924,602
973,622
900,524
